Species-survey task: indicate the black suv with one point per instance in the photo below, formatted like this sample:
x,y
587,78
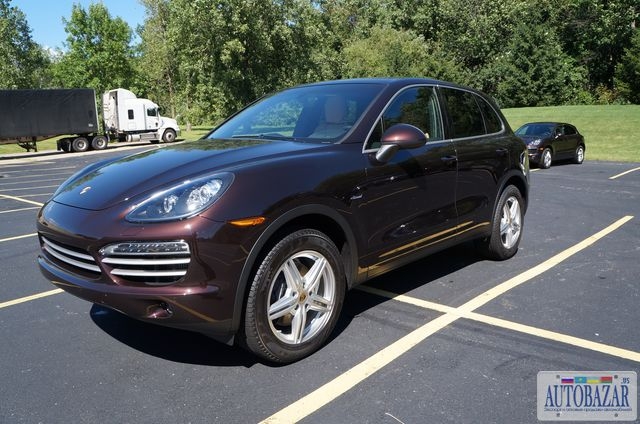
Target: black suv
x,y
254,233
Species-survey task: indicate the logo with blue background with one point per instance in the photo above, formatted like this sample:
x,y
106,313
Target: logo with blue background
x,y
587,396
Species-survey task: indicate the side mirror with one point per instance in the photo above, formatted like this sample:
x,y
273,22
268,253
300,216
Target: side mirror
x,y
399,137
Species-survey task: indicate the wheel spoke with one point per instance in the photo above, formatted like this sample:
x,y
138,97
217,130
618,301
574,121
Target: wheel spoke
x,y
319,303
514,210
314,275
282,306
298,324
292,276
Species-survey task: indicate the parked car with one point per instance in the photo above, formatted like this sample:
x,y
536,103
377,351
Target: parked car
x,y
550,141
253,234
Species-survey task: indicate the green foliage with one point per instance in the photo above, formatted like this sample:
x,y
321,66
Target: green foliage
x,y
100,55
596,33
24,64
387,52
628,72
202,60
534,71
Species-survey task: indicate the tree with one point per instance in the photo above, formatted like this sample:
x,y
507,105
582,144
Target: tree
x,y
389,52
596,33
628,71
157,65
534,71
24,64
99,55
230,53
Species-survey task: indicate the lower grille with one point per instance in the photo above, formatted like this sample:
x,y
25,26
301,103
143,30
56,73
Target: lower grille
x,y
73,258
152,263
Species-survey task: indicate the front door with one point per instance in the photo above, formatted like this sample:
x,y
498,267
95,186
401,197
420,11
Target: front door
x,y
408,203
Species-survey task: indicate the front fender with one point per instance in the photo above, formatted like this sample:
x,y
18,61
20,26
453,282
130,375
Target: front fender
x,y
305,210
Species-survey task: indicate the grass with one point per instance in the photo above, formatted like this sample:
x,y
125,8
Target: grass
x,y
50,144
610,132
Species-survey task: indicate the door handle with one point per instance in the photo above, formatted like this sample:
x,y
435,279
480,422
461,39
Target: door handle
x,y
449,159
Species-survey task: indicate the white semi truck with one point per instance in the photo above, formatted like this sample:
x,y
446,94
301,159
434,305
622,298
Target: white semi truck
x,y
28,116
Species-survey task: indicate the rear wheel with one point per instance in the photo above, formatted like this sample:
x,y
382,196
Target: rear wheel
x,y
546,159
506,228
80,144
99,142
169,136
295,298
579,155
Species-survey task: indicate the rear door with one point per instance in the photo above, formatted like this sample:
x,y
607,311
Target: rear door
x,y
482,148
408,203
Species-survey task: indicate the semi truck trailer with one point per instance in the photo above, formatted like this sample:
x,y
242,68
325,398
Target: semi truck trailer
x,y
29,116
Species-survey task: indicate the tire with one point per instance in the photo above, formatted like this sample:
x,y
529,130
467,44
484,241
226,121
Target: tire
x,y
289,314
169,136
65,145
99,142
579,155
546,158
80,144
506,227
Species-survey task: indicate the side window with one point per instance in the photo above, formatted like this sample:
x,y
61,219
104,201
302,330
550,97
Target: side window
x,y
464,114
492,122
152,111
130,113
569,130
416,106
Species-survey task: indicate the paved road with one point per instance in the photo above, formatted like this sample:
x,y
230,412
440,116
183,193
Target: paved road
x,y
452,338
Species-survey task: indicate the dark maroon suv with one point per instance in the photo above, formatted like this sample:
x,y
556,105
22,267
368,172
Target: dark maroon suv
x,y
254,233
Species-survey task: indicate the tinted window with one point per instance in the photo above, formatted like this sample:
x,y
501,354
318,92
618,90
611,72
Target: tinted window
x,y
130,113
152,111
569,130
464,114
417,106
491,120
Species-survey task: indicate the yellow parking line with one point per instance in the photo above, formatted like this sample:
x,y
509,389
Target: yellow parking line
x,y
624,173
509,325
344,382
19,199
30,298
18,237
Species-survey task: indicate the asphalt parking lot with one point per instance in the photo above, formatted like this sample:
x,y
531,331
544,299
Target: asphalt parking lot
x,y
452,338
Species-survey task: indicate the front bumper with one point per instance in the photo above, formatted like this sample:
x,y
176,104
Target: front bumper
x,y
535,155
202,299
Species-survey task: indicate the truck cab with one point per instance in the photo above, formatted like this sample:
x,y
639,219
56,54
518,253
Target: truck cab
x,y
129,118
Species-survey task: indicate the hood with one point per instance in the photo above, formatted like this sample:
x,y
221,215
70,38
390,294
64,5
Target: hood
x,y
144,173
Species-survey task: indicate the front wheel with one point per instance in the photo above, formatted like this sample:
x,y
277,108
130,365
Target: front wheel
x,y
579,155
169,136
506,228
295,298
546,159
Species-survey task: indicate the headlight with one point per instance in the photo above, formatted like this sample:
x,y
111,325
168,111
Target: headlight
x,y
181,201
535,143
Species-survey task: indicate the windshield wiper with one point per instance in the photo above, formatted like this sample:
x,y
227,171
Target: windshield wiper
x,y
273,136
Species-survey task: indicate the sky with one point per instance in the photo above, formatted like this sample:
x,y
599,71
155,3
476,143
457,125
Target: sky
x,y
45,17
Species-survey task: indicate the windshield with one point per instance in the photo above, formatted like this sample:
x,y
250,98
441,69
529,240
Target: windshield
x,y
320,114
541,130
